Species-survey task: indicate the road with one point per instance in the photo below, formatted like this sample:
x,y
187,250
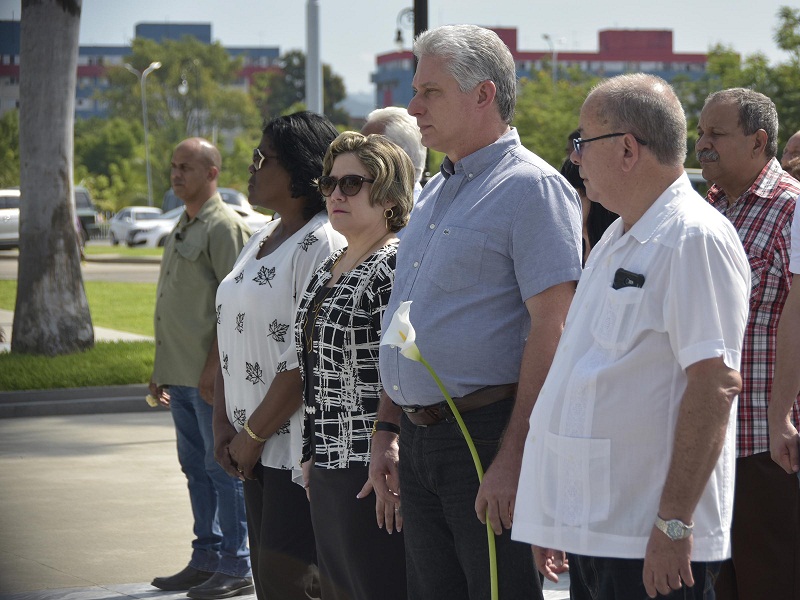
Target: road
x,y
98,268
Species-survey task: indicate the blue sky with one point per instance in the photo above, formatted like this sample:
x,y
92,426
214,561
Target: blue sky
x,y
354,31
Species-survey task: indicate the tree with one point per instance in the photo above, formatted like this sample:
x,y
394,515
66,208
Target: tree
x,y
275,93
192,94
787,35
51,314
786,76
547,114
727,69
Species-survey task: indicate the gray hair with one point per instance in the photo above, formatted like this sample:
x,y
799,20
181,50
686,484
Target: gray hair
x,y
646,106
474,54
401,128
756,111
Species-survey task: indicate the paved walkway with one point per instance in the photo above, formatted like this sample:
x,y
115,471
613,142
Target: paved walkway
x,y
94,507
94,504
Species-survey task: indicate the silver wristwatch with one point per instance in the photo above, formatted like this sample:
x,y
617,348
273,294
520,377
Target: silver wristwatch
x,y
674,529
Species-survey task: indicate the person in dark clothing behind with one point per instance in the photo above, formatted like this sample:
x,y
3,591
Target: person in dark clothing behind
x,y
596,217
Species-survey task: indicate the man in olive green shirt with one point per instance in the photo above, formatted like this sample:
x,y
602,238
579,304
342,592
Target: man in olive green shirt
x,y
198,254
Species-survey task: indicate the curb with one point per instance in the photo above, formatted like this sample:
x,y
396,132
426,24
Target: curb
x,y
119,258
75,401
96,258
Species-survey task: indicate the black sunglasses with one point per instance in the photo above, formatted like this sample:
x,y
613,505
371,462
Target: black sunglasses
x,y
258,159
578,142
350,185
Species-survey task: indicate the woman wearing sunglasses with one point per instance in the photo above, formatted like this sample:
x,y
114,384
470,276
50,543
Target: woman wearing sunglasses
x,y
368,185
258,411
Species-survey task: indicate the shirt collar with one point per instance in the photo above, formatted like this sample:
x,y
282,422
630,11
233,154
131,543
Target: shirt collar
x,y
762,187
662,208
480,160
211,205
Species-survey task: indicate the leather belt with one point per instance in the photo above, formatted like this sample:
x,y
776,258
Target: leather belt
x,y
423,416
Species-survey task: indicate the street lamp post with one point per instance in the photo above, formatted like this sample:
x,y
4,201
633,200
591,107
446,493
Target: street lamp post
x,y
405,18
554,52
193,122
142,76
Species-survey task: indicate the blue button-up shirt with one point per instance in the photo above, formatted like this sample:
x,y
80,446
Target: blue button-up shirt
x,y
491,231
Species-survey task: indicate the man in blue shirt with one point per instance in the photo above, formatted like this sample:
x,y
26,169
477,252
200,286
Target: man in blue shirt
x,y
490,259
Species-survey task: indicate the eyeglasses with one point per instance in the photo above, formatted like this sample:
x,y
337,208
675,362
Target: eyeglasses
x,y
258,159
350,185
578,142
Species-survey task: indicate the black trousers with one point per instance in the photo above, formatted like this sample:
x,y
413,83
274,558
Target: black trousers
x,y
765,535
282,548
357,561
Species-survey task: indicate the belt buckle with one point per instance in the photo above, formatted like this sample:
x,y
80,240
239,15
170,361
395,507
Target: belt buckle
x,y
447,414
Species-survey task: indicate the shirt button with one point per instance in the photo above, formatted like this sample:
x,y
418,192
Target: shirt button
x,y
470,176
395,388
416,264
432,225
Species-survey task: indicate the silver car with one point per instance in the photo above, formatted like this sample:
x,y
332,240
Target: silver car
x,y
153,233
130,218
9,218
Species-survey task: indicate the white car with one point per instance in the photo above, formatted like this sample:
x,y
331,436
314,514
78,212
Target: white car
x,y
130,218
9,218
698,181
153,233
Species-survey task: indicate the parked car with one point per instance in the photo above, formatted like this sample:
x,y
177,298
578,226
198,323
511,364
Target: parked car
x,y
698,182
229,195
9,218
87,213
153,233
130,218
9,215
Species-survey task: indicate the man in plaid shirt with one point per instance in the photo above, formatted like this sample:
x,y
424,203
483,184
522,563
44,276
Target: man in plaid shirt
x,y
737,144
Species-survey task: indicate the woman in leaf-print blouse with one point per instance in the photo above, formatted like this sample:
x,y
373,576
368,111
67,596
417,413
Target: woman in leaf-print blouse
x,y
258,393
368,184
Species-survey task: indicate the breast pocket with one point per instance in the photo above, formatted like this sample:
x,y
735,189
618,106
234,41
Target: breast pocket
x,y
582,469
617,320
192,269
456,259
188,251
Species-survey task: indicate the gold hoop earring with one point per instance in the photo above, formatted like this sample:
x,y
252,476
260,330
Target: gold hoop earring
x,y
388,214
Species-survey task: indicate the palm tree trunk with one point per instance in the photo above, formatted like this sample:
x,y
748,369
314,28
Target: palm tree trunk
x,y
51,314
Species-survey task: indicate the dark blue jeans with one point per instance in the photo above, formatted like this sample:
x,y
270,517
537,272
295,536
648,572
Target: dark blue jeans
x,y
596,578
447,554
220,525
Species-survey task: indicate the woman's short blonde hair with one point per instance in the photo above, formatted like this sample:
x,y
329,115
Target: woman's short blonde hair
x,y
387,163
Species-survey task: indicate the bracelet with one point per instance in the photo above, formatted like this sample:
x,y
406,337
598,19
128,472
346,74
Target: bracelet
x,y
385,426
250,432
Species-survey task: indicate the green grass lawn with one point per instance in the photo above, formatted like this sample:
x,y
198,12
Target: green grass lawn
x,y
122,306
108,363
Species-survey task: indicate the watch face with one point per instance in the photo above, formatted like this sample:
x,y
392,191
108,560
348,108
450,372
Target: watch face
x,y
675,530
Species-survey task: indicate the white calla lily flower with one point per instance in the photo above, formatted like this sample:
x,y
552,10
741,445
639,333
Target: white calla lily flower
x,y
401,334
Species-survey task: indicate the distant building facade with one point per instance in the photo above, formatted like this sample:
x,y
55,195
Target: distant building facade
x,y
93,61
620,51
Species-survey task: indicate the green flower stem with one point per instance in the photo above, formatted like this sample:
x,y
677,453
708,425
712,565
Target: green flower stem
x,y
478,467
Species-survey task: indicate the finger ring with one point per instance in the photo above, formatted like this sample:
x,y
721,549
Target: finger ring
x,y
396,509
240,471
